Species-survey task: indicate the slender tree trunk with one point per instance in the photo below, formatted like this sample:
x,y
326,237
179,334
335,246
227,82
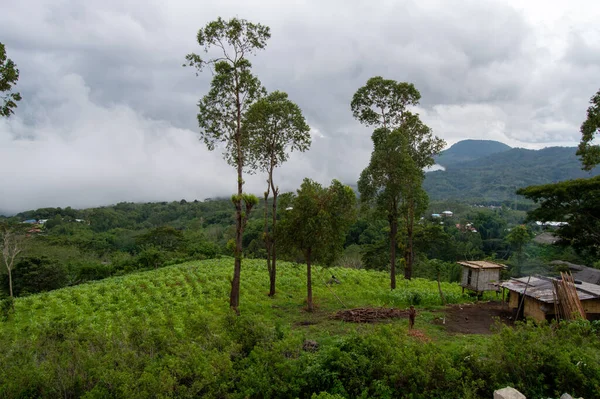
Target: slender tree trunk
x,y
234,298
393,233
273,275
408,253
10,285
268,240
309,298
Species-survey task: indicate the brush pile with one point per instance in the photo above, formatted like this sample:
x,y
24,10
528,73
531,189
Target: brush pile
x,y
369,315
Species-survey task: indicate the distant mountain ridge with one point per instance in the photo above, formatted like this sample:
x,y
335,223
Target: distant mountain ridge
x,y
468,150
492,171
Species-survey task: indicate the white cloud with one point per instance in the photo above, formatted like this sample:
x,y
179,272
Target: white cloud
x,y
109,114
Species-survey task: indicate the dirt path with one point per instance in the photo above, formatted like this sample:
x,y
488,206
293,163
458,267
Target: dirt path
x,y
477,318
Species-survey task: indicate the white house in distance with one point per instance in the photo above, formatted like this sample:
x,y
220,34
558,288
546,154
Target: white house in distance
x,y
447,214
480,275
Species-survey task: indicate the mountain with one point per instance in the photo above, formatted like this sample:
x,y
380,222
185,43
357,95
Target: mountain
x,y
496,176
468,150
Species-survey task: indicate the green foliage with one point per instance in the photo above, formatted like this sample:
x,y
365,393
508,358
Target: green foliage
x,y
36,274
169,333
9,75
573,201
7,308
151,257
383,102
590,153
165,238
319,219
276,127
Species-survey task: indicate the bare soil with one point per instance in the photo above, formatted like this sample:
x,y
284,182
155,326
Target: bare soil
x,y
369,315
477,318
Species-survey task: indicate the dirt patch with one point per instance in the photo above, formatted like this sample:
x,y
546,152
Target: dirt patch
x,y
477,318
369,315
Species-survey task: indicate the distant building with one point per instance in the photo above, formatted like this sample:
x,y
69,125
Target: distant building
x,y
551,224
30,221
466,227
436,215
447,214
480,275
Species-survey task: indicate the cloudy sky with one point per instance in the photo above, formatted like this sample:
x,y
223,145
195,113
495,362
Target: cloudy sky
x,y
109,113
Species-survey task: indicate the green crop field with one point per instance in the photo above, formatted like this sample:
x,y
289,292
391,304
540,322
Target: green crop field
x,y
170,333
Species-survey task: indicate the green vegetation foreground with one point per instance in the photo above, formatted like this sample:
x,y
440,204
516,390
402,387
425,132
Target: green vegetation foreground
x,y
170,333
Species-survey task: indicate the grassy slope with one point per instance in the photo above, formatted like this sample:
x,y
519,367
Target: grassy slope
x,y
169,333
203,286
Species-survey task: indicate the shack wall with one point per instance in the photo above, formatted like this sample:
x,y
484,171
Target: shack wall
x,y
513,299
487,276
592,306
533,308
474,278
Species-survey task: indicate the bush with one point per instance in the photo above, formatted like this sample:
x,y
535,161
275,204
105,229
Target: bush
x,y
36,274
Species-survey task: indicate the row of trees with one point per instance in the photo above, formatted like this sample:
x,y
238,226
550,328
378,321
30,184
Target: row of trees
x,y
258,131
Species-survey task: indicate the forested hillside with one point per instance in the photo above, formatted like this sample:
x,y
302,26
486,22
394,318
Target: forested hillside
x,y
468,150
496,177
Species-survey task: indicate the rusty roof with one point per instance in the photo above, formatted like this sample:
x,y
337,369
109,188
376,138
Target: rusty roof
x,y
481,264
541,288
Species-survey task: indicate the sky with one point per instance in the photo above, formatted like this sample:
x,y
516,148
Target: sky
x,y
109,113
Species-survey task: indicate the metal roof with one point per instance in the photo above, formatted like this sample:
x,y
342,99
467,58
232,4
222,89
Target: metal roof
x,y
541,288
580,272
481,264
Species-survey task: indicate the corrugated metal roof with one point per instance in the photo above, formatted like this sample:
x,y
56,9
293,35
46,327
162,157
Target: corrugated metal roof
x,y
481,264
543,290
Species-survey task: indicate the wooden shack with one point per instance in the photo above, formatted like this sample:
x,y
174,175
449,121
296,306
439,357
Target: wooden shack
x,y
535,298
480,275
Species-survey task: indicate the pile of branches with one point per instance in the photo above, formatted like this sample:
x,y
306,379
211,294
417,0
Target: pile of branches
x,y
566,300
369,315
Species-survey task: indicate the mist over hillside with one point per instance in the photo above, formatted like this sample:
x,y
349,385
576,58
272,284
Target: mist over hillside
x,y
492,171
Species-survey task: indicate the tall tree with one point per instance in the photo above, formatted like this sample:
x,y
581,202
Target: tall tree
x,y
402,147
9,75
275,126
419,147
317,223
590,153
11,245
232,91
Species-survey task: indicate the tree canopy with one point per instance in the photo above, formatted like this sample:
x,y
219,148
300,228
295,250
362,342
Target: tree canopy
x,y
383,102
576,202
9,75
590,153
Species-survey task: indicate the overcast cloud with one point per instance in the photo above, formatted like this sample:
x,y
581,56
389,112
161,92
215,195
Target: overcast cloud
x,y
109,114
